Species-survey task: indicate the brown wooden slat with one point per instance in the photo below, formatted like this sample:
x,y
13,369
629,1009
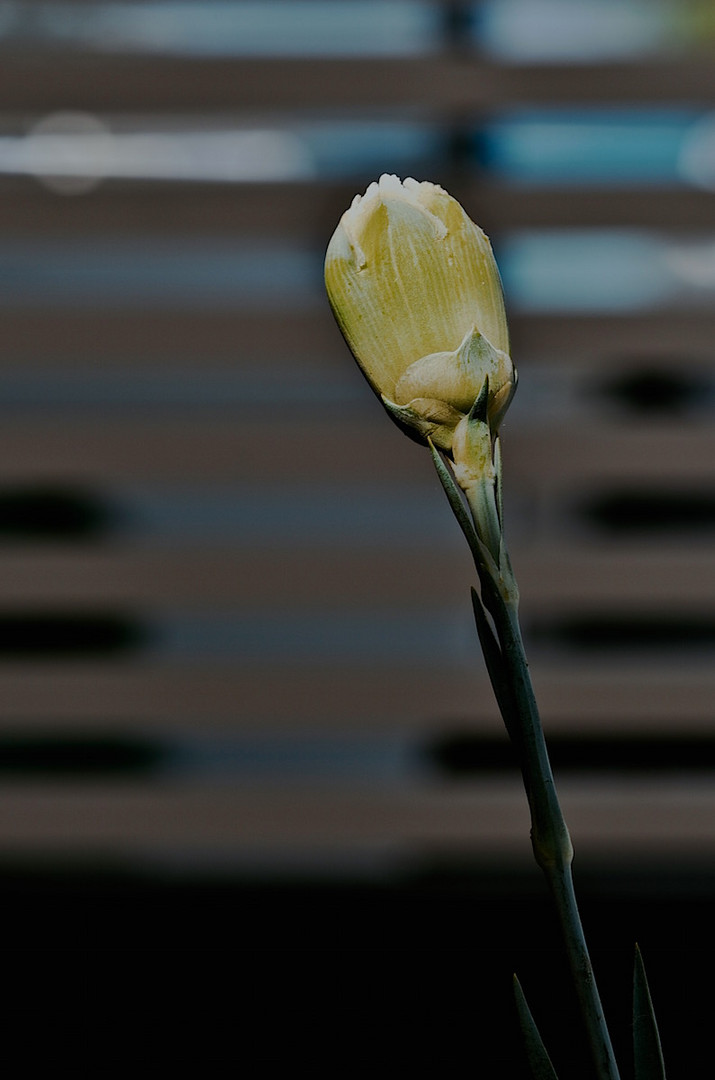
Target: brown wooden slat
x,y
666,820
284,210
500,206
603,698
310,211
343,451
285,579
37,82
134,817
168,338
559,578
165,337
642,336
292,699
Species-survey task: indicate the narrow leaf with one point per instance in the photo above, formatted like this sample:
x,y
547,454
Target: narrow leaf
x,y
487,638
539,1060
647,1053
495,667
482,500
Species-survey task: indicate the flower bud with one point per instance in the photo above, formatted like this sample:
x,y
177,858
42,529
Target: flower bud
x,y
416,292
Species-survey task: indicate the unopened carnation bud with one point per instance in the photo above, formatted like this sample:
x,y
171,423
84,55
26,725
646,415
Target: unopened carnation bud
x,y
416,292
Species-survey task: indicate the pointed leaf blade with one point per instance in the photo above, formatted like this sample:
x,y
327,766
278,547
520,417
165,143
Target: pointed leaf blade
x,y
482,557
539,1060
647,1052
496,669
454,495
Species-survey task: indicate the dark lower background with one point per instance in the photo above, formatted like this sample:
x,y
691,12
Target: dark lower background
x,y
426,954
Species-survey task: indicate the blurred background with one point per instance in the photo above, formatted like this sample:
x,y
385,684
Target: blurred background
x,y
240,684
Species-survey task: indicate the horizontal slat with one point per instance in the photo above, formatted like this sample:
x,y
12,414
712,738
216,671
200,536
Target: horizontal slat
x,y
286,210
673,335
339,450
220,337
670,820
310,211
499,206
166,336
647,578
596,696
31,82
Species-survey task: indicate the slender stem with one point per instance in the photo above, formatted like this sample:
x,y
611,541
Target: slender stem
x,y
550,838
561,883
549,835
509,672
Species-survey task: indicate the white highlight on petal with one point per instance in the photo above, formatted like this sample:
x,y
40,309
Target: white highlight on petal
x,y
385,190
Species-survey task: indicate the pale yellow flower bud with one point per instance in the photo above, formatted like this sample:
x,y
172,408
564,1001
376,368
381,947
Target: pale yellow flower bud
x,y
416,292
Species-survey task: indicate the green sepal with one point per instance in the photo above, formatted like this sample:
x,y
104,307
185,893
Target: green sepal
x,y
425,418
499,485
647,1054
456,501
480,407
409,420
483,505
538,1058
483,558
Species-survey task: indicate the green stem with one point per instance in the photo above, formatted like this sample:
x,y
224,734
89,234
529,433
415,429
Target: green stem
x,y
550,838
509,672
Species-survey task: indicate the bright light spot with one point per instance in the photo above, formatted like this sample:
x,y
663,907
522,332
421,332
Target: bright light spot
x,y
66,151
73,152
694,264
566,30
696,162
